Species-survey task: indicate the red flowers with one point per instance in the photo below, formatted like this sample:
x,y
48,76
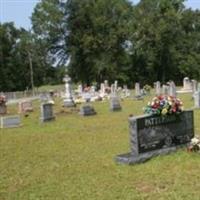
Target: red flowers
x,y
163,105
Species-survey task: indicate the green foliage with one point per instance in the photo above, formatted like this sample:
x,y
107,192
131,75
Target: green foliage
x,y
147,42
18,50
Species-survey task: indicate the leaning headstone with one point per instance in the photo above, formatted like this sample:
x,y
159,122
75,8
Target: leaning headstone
x,y
25,106
197,99
10,121
152,135
47,112
68,99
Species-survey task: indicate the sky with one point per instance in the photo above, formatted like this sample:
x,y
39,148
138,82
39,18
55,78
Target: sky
x,y
19,11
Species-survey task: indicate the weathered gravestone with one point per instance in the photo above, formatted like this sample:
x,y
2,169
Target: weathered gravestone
x,y
25,106
47,112
10,121
115,104
152,135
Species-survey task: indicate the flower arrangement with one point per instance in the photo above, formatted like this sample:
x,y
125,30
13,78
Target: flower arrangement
x,y
164,105
2,99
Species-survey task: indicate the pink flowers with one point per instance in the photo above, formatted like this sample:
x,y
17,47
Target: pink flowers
x,y
164,105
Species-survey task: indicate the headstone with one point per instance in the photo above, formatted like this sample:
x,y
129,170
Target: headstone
x,y
115,104
197,99
102,90
3,108
112,90
44,97
10,121
158,88
172,89
87,110
194,86
68,99
25,106
126,91
115,86
165,89
187,84
152,135
137,90
106,83
47,112
80,89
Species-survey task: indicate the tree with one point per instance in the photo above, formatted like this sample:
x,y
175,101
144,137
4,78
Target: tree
x,y
158,29
91,33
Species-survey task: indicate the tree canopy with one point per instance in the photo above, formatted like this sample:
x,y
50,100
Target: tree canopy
x,y
100,39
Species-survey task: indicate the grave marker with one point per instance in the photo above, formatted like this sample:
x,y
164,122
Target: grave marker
x,y
152,135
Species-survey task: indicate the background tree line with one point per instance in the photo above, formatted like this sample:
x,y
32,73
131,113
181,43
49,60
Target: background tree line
x,y
101,39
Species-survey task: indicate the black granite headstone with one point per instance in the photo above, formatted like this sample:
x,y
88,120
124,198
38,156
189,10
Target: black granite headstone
x,y
152,135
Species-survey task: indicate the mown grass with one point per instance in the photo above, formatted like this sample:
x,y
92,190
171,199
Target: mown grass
x,y
72,158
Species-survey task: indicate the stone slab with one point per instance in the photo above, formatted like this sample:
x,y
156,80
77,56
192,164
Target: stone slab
x,y
10,121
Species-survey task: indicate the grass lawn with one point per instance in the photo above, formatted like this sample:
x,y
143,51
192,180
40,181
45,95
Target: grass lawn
x,y
71,158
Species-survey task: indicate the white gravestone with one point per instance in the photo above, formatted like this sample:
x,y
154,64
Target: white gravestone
x,y
165,89
194,86
187,84
10,121
137,90
68,99
158,88
172,89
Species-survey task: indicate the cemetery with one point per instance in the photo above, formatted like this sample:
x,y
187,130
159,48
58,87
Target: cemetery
x,y
99,100
68,152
